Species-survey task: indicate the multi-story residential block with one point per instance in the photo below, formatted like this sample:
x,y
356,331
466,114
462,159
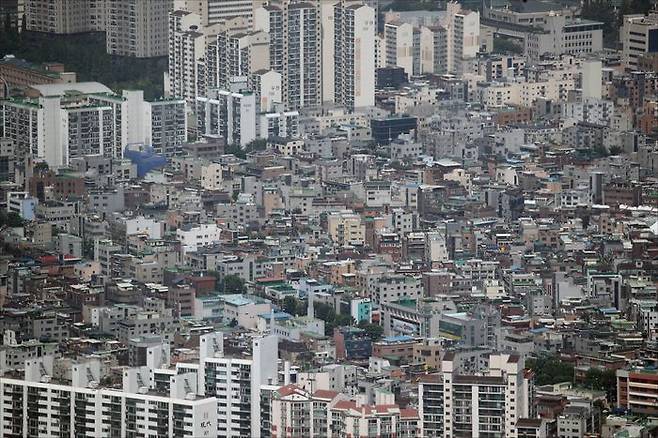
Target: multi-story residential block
x,y
354,51
137,28
295,50
187,45
166,125
65,17
83,406
194,237
86,118
227,115
400,46
457,403
238,55
637,389
345,228
638,36
218,11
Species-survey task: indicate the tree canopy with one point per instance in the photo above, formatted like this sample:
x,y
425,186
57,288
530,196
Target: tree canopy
x,y
117,72
233,284
550,370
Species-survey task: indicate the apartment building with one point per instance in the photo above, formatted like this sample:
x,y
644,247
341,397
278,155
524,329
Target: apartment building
x,y
217,11
454,403
279,124
345,228
166,125
65,16
354,73
137,28
35,403
295,50
238,55
399,38
194,237
637,391
385,289
68,121
638,36
187,45
228,115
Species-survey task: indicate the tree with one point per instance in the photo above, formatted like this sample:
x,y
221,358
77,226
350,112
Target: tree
x,y
602,380
414,5
233,284
550,370
290,305
236,150
260,144
615,150
506,45
10,219
603,11
374,331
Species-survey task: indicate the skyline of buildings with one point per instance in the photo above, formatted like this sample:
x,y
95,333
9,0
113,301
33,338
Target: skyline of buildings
x,y
329,219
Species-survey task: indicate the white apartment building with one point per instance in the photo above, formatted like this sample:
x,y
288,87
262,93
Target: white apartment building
x,y
266,84
217,11
166,125
235,382
187,45
455,402
73,120
236,55
295,50
463,29
193,237
65,16
433,50
638,36
228,115
216,396
137,28
279,124
354,74
400,46
37,404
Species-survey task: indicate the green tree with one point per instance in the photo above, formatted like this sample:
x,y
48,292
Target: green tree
x,y
550,370
374,331
290,305
602,380
260,144
236,150
603,11
506,45
233,284
414,5
10,219
615,150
